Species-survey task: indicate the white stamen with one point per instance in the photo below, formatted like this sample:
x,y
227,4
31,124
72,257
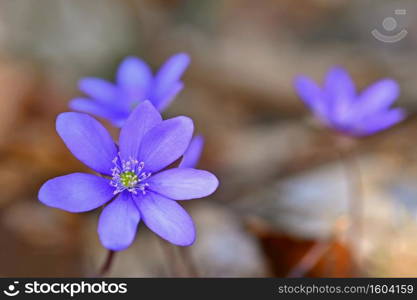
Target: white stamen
x,y
128,175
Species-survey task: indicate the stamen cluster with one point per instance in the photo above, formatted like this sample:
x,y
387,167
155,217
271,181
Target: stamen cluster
x,y
129,175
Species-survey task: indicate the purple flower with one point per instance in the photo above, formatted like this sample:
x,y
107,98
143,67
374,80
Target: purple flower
x,y
192,155
339,106
134,84
135,184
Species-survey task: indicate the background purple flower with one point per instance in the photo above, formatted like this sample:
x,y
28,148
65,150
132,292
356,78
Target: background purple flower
x,y
135,83
340,107
193,153
134,184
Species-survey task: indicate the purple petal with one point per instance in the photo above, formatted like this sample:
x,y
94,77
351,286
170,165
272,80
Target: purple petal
x,y
141,120
339,84
169,74
88,140
312,95
340,91
165,100
378,96
192,155
114,115
183,183
166,218
378,122
98,89
118,223
135,77
165,143
77,192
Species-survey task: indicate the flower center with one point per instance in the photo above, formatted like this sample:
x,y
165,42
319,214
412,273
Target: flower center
x,y
128,175
128,179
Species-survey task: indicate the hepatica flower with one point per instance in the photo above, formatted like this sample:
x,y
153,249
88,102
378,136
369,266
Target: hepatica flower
x,y
339,106
134,84
134,183
192,155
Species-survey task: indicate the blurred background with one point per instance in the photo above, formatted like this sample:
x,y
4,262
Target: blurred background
x,y
283,194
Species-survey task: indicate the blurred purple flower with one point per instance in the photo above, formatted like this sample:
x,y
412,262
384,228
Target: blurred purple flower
x,y
339,106
192,155
134,84
134,182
